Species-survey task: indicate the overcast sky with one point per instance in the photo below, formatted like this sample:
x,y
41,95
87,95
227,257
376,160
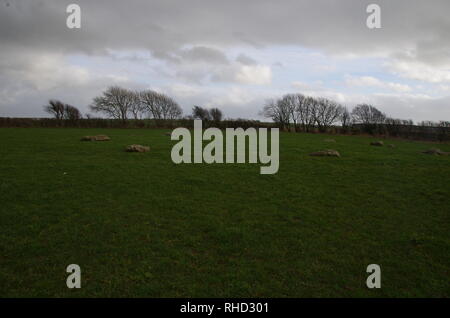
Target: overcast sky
x,y
231,54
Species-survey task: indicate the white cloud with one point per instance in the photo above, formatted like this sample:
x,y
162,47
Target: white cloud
x,y
370,81
184,91
235,96
46,72
254,74
445,88
399,87
417,70
316,85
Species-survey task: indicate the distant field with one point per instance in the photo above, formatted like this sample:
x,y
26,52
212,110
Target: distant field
x,y
141,226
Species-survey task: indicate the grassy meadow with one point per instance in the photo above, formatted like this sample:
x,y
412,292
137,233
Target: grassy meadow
x,y
141,226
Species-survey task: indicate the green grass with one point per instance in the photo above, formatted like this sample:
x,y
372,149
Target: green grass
x,y
141,226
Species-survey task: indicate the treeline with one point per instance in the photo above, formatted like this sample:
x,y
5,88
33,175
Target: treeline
x,y
300,113
126,108
186,122
292,112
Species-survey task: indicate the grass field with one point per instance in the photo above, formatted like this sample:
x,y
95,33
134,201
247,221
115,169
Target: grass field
x,y
141,226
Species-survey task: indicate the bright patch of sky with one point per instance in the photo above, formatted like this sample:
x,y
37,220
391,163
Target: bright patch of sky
x,y
294,69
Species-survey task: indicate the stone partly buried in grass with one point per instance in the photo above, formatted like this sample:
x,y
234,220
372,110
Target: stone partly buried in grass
x,y
325,153
137,148
435,151
96,138
377,143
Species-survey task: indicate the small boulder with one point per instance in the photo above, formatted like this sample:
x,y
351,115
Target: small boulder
x,y
96,138
326,153
435,151
377,143
87,138
137,148
102,138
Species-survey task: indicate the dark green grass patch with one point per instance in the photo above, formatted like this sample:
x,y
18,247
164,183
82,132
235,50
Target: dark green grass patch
x,y
141,226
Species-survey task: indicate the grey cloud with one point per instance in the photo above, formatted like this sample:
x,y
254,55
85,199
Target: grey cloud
x,y
163,26
181,32
244,59
204,54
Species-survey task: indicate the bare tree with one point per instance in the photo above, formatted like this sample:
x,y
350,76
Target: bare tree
x,y
300,111
175,112
369,117
270,111
62,111
169,108
326,113
55,108
137,108
367,114
115,102
290,104
71,113
216,114
201,113
160,106
307,113
345,117
149,99
278,112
